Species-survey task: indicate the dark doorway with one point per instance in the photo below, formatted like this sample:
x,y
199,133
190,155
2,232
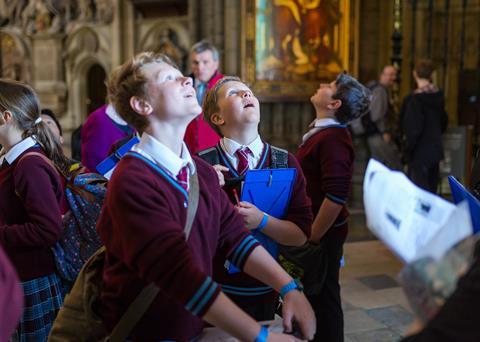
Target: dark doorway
x,y
96,90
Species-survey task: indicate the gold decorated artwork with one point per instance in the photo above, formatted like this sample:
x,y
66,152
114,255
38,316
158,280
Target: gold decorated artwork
x,y
292,45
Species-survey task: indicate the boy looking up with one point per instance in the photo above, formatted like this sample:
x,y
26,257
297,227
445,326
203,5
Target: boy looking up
x,y
234,112
142,221
326,156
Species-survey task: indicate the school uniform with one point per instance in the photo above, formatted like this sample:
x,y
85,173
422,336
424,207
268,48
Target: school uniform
x,y
31,194
251,295
142,226
326,157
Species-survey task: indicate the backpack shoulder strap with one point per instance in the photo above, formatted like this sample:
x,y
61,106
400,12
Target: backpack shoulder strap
x,y
42,156
140,305
278,158
210,155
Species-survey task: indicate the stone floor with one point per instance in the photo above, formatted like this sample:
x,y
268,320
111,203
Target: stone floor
x,y
375,307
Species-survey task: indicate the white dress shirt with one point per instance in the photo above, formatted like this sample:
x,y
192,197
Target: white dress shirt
x,y
230,146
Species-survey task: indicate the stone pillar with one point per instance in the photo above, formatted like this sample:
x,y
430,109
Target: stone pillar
x,y
47,71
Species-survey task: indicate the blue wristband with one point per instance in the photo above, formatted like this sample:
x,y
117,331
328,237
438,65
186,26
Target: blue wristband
x,y
263,223
287,288
262,335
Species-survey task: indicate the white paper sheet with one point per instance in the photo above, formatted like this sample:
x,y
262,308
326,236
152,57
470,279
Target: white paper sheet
x,y
413,222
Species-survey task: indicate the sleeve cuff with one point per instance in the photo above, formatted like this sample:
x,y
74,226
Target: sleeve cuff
x,y
336,199
203,298
241,253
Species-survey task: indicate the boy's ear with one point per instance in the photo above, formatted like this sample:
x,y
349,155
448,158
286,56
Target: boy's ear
x,y
217,119
141,106
335,104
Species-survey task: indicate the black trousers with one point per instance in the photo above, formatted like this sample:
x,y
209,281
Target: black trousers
x,y
260,311
327,304
426,176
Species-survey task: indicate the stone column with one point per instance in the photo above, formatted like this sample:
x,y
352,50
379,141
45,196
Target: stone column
x,y
47,71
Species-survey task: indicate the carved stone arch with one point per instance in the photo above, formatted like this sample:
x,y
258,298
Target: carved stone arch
x,y
22,55
156,39
84,48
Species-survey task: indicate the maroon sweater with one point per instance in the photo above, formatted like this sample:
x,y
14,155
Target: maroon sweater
x,y
240,287
327,162
142,225
11,298
30,215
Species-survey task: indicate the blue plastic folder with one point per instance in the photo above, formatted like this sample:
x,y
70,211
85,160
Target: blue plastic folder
x,y
112,160
459,193
269,190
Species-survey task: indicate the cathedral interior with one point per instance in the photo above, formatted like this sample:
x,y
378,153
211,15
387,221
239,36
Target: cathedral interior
x,y
65,49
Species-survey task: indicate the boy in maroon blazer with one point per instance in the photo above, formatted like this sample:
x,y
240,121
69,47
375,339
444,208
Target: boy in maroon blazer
x,y
234,112
144,213
326,156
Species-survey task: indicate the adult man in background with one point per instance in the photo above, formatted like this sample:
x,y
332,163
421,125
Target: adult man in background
x,y
378,123
205,60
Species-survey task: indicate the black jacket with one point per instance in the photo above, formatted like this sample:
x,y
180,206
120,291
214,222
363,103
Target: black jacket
x,y
423,121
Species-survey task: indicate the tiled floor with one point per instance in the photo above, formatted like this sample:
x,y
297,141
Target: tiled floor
x,y
375,307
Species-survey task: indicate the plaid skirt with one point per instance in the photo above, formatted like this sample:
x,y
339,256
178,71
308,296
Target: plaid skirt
x,y
43,298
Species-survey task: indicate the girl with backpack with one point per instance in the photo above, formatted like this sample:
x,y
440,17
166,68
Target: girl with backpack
x,y
31,206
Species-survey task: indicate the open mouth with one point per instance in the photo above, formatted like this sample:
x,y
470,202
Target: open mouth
x,y
249,105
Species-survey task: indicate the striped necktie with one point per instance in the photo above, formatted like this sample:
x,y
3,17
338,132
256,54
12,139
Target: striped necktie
x,y
182,177
242,156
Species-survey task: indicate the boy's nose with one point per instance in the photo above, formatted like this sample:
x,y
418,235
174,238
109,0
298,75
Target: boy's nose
x,y
247,93
187,81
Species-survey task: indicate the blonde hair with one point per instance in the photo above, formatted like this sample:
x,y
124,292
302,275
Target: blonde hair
x,y
128,80
20,100
210,103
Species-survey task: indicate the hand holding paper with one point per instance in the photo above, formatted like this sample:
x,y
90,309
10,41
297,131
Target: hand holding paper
x,y
412,222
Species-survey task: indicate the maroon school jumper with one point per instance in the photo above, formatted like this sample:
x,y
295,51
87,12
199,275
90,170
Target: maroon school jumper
x,y
11,298
299,212
327,163
30,222
142,226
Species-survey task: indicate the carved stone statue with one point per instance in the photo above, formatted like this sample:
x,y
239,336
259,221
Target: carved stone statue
x,y
84,8
41,16
104,11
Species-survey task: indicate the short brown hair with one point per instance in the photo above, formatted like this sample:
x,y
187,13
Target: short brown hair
x,y
425,68
128,80
210,104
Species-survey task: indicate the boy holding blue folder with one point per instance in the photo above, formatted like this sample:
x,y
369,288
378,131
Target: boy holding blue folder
x,y
234,112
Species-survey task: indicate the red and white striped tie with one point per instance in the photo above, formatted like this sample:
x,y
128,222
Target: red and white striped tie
x,y
182,177
242,156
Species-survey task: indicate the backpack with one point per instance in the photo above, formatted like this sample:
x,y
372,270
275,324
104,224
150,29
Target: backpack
x,y
78,319
84,193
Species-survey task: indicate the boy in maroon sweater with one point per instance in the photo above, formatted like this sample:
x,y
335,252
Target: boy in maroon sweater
x,y
326,156
144,214
234,112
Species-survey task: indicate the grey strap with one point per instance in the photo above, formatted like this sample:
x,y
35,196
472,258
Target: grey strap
x,y
140,305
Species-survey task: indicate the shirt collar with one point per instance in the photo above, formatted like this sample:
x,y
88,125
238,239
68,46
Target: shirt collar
x,y
231,146
18,149
325,122
112,114
164,156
